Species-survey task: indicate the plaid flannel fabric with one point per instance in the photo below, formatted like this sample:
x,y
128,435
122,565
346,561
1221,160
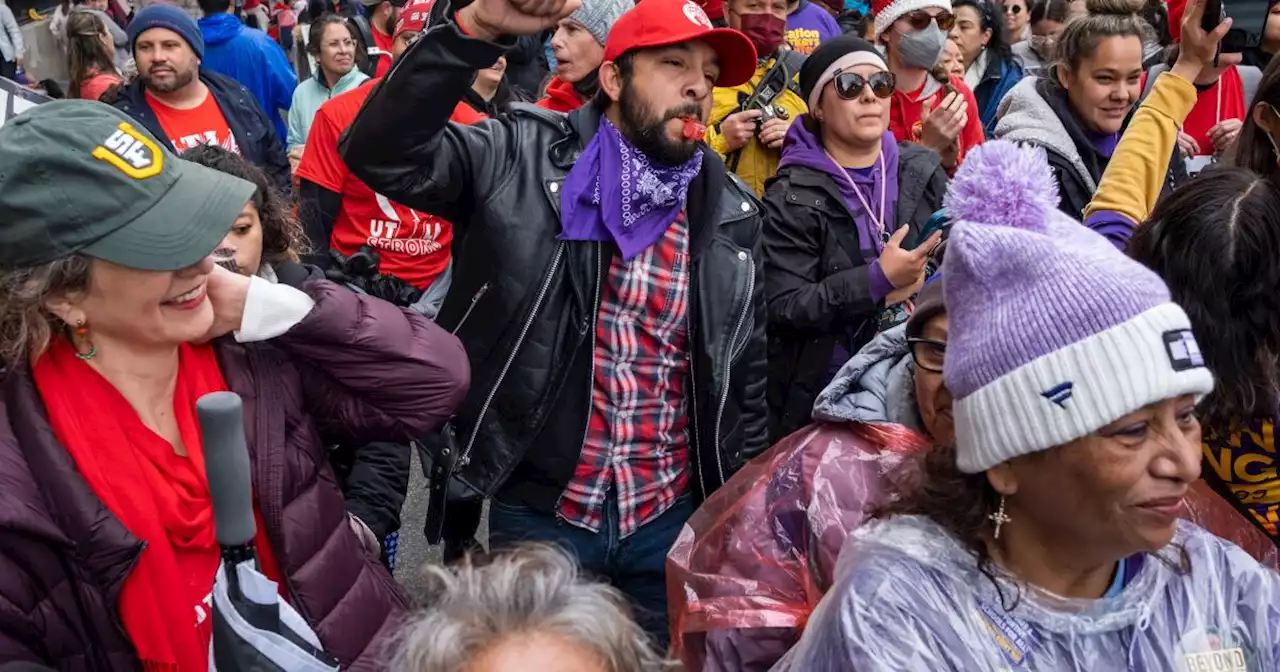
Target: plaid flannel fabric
x,y
637,438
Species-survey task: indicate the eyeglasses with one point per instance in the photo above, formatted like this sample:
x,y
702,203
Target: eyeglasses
x,y
920,19
927,353
1013,9
849,85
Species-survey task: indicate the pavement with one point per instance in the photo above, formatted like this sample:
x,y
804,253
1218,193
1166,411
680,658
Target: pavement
x,y
414,551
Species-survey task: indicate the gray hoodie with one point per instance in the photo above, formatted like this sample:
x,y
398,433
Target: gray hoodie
x,y
877,385
1025,116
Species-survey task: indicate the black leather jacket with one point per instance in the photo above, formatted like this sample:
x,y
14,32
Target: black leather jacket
x,y
524,303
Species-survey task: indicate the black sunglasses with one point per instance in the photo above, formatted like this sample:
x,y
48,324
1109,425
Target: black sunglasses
x,y
920,19
927,353
1013,9
849,85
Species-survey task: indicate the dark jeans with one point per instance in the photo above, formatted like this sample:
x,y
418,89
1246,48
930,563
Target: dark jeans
x,y
636,565
9,69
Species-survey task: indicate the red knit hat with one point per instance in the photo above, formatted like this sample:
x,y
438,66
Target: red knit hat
x,y
661,23
888,11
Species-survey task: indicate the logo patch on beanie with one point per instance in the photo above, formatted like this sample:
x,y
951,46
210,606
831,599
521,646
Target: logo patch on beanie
x,y
133,153
1184,351
1059,394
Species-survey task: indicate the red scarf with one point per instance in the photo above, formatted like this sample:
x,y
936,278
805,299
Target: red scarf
x,y
561,96
160,496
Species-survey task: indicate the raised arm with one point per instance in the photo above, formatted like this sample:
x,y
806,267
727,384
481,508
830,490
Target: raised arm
x,y
1135,175
402,144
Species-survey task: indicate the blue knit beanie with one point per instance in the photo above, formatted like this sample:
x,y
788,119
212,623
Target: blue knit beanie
x,y
160,15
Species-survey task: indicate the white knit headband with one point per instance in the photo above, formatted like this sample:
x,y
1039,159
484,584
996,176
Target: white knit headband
x,y
849,60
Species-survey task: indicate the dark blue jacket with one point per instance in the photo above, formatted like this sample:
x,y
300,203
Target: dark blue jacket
x,y
252,58
249,124
1001,76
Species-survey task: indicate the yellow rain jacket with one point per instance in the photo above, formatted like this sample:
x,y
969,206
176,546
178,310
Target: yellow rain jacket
x,y
757,162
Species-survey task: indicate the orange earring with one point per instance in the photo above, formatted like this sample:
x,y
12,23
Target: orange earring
x,y
82,336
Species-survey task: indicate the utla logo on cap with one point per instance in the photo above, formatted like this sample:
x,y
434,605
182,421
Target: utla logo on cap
x,y
696,15
131,152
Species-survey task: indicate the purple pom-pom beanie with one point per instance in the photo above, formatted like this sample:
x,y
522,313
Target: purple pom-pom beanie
x,y
1054,333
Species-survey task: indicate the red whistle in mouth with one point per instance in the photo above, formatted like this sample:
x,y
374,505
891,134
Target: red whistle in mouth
x,y
694,129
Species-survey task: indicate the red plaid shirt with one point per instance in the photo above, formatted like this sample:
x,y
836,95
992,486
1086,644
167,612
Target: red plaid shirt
x,y
637,438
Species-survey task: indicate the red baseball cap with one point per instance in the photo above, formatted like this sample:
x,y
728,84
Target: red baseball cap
x,y
413,16
660,23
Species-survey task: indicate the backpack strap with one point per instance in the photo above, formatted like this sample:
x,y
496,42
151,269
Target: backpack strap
x,y
793,60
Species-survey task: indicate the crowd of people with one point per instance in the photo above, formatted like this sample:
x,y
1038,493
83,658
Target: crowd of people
x,y
767,335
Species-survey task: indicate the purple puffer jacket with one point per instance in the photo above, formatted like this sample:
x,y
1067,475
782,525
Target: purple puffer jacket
x,y
355,369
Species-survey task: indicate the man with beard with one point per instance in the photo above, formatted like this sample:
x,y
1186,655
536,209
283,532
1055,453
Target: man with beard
x,y
186,105
578,45
382,21
607,283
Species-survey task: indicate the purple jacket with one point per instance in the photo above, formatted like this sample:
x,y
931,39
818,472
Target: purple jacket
x,y
355,368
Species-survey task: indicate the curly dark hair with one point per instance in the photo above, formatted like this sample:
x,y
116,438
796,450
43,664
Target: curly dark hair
x,y
1215,241
282,236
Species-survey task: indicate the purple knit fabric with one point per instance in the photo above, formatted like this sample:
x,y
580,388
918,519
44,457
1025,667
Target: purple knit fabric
x,y
1024,280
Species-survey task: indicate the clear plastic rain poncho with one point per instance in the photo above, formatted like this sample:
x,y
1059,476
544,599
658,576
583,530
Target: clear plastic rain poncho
x,y
908,596
756,557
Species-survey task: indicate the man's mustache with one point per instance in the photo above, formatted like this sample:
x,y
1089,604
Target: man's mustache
x,y
683,111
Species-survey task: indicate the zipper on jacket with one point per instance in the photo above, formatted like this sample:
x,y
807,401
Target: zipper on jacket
x,y
465,458
475,298
591,379
728,364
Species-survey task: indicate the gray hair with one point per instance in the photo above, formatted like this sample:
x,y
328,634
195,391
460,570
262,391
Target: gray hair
x,y
25,324
531,589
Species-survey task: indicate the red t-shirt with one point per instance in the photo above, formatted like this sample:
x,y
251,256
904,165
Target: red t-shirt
x,y
384,43
1224,100
413,246
200,125
905,109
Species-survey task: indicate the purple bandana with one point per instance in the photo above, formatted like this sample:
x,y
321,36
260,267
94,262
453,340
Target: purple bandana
x,y
640,203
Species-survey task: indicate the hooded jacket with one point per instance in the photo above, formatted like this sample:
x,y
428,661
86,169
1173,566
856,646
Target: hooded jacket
x,y
1037,112
308,98
822,280
910,596
252,58
354,369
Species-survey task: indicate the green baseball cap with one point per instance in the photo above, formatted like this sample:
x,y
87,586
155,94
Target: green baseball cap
x,y
79,176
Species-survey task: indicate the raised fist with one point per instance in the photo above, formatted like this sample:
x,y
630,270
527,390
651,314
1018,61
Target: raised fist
x,y
492,19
